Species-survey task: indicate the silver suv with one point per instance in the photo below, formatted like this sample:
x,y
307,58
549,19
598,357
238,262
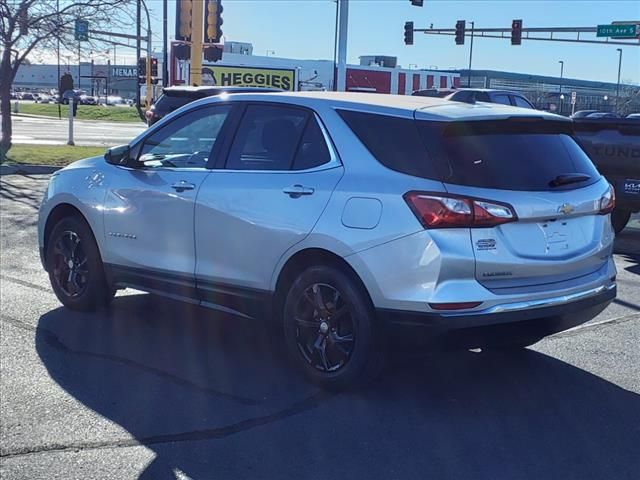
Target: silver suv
x,y
349,220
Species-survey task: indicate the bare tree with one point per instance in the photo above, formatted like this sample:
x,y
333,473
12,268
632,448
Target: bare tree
x,y
629,101
28,25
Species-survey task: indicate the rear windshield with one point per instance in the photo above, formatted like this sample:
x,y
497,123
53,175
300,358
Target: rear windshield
x,y
169,103
504,154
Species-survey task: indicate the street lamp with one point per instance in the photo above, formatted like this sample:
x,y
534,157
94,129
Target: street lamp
x,y
618,85
412,66
561,62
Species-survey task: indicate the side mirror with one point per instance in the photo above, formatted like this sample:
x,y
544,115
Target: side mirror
x,y
118,155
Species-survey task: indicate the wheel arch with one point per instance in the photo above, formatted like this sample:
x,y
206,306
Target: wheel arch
x,y
57,213
306,258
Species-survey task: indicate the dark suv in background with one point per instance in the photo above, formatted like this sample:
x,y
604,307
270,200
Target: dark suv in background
x,y
505,97
173,98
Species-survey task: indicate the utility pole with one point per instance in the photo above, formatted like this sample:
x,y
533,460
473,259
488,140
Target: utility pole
x,y
618,85
561,62
79,64
165,34
343,22
470,55
197,37
138,32
58,36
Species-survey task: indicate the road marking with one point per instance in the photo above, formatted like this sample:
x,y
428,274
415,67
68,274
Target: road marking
x,y
592,326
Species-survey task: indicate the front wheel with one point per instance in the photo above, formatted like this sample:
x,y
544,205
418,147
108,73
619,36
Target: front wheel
x,y
330,329
75,267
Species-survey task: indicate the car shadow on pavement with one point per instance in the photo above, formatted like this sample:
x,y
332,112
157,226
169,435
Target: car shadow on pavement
x,y
214,397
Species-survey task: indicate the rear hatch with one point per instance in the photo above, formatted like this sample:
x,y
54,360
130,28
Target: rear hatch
x,y
533,168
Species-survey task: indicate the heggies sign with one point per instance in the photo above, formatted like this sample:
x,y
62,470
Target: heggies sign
x,y
228,76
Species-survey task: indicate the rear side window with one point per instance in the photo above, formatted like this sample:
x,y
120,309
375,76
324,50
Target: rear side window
x,y
312,151
395,142
501,98
267,138
506,155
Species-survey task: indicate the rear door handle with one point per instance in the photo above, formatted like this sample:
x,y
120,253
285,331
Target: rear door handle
x,y
297,190
182,185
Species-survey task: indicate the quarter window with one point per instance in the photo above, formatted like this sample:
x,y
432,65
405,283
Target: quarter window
x,y
185,142
521,102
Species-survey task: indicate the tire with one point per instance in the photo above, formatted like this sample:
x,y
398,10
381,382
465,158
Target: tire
x,y
619,219
80,285
330,329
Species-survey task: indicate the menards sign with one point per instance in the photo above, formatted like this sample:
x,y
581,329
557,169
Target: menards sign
x,y
233,76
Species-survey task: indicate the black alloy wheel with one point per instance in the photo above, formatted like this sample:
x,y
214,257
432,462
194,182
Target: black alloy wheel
x,y
326,332
330,329
75,266
70,269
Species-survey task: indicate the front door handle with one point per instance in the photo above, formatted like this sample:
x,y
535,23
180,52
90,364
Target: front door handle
x,y
297,190
182,185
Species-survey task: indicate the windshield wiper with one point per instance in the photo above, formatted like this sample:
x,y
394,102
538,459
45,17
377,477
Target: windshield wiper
x,y
568,178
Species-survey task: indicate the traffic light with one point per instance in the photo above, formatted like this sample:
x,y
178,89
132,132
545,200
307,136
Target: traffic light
x,y
417,3
182,52
142,70
213,21
461,26
408,33
212,54
184,9
516,32
154,67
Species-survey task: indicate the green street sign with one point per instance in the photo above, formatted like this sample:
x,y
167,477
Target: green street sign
x,y
82,30
617,31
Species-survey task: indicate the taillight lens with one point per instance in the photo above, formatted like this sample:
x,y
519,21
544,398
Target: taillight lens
x,y
608,201
451,211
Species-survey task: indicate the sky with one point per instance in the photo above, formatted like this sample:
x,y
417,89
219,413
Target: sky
x,y
305,29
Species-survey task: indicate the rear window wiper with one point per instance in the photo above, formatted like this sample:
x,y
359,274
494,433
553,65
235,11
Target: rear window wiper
x,y
568,178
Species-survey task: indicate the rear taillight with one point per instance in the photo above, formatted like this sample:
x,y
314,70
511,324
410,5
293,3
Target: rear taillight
x,y
435,210
607,201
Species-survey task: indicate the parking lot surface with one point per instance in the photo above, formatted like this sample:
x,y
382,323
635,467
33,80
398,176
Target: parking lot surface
x,y
155,389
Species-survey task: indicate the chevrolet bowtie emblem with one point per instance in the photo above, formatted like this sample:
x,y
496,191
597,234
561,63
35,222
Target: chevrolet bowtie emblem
x,y
566,208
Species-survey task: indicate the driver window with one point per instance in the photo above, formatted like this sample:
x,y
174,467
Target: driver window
x,y
185,142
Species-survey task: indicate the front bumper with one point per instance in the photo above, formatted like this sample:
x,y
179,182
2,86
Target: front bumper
x,y
535,320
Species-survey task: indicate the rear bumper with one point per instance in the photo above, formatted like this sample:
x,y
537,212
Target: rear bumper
x,y
483,328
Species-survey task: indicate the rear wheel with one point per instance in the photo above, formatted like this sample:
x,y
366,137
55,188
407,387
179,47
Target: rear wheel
x,y
619,219
330,329
75,267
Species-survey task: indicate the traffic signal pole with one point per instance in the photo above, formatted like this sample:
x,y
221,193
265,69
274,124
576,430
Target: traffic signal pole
x,y
470,55
197,37
343,21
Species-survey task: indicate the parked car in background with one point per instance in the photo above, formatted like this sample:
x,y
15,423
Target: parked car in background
x,y
602,115
583,113
504,97
327,213
613,144
27,96
68,95
88,100
433,92
634,115
173,98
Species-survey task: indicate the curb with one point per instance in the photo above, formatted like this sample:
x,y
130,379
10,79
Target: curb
x,y
25,169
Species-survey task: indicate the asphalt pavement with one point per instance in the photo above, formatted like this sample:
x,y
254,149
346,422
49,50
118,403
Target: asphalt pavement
x,y
36,130
155,389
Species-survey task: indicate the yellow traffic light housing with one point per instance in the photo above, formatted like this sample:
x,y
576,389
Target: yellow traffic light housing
x,y
184,19
213,21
